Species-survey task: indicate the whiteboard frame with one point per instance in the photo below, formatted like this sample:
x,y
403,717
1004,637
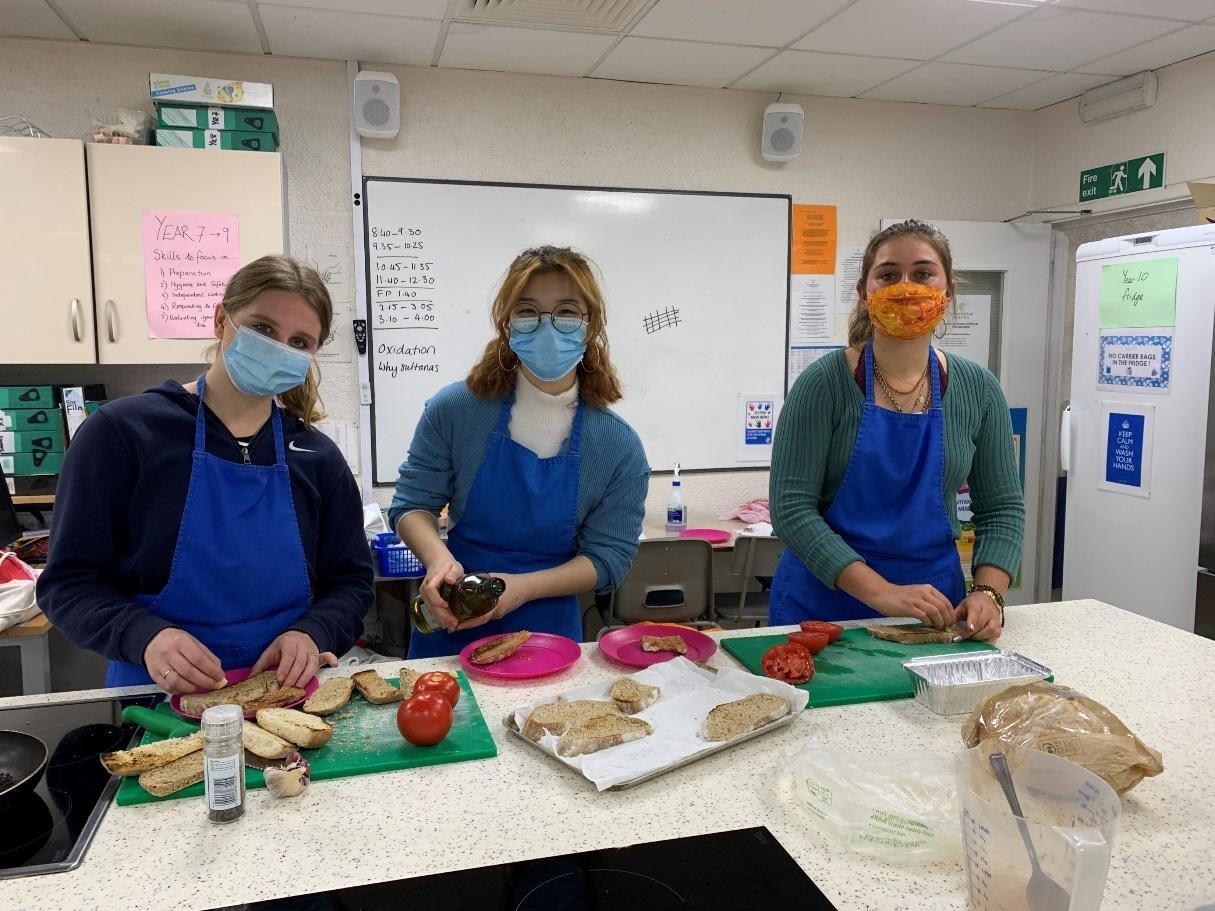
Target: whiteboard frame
x,y
367,303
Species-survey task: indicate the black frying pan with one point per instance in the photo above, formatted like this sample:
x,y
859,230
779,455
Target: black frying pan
x,y
23,759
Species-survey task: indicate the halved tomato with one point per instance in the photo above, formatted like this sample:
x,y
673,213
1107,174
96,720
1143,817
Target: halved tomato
x,y
789,662
813,642
833,630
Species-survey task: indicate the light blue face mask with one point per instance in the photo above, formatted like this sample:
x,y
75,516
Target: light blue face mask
x,y
547,353
258,365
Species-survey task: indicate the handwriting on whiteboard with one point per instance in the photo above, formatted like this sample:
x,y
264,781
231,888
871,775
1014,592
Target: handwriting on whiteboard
x,y
188,259
405,309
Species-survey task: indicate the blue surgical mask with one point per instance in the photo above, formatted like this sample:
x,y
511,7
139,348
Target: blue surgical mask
x,y
258,365
547,353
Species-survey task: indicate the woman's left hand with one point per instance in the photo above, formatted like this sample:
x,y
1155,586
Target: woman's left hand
x,y
296,656
516,595
980,617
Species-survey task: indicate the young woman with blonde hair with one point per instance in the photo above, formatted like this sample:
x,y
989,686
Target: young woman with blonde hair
x,y
205,528
546,487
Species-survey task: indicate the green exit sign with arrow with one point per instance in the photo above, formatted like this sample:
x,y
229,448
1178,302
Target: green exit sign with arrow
x,y
1132,176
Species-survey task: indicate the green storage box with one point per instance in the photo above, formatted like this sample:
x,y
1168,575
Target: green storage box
x,y
48,440
39,462
27,397
91,407
235,140
30,418
202,117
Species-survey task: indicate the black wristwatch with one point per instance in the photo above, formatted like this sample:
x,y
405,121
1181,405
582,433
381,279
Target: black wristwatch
x,y
996,598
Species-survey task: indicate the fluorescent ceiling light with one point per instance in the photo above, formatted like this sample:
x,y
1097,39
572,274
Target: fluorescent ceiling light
x,y
1134,93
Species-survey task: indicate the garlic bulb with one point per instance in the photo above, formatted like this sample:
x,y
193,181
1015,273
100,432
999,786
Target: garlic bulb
x,y
289,779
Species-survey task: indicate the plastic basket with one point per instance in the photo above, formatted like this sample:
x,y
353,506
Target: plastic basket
x,y
395,558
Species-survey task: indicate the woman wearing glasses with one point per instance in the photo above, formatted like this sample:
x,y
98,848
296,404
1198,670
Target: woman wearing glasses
x,y
545,486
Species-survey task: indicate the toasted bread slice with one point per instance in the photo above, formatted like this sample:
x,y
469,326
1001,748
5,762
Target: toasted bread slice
x,y
558,717
597,734
283,696
664,644
329,696
732,719
300,728
632,697
375,689
171,778
499,649
911,635
237,694
150,756
264,745
405,680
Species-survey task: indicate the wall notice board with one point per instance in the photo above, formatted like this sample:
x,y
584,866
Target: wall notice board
x,y
697,300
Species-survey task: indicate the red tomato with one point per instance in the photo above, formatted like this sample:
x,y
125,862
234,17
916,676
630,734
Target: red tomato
x,y
424,719
789,662
813,642
833,630
445,685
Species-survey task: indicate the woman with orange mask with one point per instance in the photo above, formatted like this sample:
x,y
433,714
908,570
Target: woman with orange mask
x,y
872,446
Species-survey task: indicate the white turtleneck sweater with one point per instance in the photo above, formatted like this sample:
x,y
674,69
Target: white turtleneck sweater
x,y
540,421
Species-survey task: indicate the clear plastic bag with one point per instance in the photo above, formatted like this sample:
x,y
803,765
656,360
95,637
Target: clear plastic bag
x,y
901,808
121,127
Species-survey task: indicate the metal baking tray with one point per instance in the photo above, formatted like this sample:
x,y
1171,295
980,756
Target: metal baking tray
x,y
956,684
508,722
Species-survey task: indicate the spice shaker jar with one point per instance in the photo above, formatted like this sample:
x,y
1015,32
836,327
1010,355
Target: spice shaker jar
x,y
224,762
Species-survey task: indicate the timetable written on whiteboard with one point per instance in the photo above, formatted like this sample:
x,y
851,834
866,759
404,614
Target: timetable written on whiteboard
x,y
404,305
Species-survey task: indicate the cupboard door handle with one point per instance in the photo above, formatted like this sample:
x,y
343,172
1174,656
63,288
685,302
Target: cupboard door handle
x,y
77,331
109,322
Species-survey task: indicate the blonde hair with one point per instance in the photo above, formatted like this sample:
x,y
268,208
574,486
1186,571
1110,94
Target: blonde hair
x,y
493,376
860,327
277,272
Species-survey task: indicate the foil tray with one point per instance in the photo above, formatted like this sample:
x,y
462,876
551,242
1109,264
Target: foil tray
x,y
956,684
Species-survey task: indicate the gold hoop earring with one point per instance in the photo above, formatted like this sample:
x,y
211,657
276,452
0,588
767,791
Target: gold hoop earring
x,y
505,369
586,362
940,335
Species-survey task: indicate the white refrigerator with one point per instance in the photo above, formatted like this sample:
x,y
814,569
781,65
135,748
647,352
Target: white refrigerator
x,y
1134,441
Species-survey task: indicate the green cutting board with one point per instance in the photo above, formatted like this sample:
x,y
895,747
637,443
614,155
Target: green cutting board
x,y
365,739
855,668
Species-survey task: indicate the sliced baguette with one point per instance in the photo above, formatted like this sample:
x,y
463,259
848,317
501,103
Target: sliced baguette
x,y
264,745
374,688
559,717
406,680
597,734
674,644
300,728
499,649
632,697
236,694
171,778
279,698
329,696
733,719
151,756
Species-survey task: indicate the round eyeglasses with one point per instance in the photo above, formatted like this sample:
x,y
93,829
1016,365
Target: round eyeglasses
x,y
566,319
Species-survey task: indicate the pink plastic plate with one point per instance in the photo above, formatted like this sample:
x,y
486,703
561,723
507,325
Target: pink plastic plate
x,y
624,645
712,535
237,677
542,654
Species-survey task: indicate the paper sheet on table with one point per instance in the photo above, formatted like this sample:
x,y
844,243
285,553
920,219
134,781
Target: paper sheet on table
x,y
688,694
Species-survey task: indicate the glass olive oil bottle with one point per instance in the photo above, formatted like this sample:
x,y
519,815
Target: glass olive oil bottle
x,y
472,596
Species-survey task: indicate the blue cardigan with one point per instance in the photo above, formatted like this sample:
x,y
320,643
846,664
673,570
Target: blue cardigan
x,y
449,445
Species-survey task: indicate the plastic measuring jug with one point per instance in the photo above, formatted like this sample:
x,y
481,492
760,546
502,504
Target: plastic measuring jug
x,y
1070,817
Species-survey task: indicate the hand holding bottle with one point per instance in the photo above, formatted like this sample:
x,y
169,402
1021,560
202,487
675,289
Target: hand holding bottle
x,y
515,595
447,571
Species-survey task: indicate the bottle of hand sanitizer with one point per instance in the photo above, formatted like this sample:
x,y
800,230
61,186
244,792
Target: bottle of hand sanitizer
x,y
677,509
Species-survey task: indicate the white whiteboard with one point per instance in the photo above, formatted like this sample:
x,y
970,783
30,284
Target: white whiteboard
x,y
718,264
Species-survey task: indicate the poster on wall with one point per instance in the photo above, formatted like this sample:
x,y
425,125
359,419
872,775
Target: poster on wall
x,y
1126,429
968,328
756,426
188,258
330,261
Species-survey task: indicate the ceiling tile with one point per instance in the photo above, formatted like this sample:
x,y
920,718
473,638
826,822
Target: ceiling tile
x,y
1187,10
678,62
411,9
1059,39
920,30
218,25
1189,42
952,83
330,35
1049,91
770,23
808,73
520,50
32,19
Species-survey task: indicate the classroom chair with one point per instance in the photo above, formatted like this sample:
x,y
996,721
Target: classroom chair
x,y
754,556
671,579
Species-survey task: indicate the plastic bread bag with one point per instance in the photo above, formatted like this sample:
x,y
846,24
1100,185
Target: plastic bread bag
x,y
1057,719
901,808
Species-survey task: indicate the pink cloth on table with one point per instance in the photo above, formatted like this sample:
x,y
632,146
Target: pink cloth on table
x,y
750,512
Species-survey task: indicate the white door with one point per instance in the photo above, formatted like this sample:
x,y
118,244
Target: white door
x,y
1005,310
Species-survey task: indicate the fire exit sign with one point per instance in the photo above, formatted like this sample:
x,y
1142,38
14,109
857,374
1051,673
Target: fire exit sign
x,y
1132,176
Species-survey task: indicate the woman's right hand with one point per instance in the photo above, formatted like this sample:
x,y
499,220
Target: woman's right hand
x,y
923,602
446,570
178,663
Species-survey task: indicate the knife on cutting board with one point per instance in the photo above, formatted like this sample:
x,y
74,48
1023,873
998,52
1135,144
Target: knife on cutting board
x,y
167,726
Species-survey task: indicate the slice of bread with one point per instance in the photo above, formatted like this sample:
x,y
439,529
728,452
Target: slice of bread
x,y
264,745
499,649
171,778
733,719
300,728
150,756
597,734
558,717
283,696
329,696
664,644
375,689
236,694
632,697
405,680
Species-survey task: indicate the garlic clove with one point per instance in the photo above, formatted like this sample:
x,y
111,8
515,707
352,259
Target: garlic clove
x,y
289,779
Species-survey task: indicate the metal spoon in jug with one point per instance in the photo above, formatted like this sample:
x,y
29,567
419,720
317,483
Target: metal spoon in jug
x,y
1042,893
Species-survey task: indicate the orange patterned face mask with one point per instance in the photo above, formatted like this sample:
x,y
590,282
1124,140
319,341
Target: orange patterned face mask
x,y
907,310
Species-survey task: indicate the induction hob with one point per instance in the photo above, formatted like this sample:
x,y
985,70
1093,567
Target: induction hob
x,y
740,869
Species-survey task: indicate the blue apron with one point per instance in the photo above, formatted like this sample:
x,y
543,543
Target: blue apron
x,y
890,510
521,516
239,577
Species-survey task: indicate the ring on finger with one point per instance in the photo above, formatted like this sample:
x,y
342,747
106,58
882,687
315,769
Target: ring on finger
x,y
166,672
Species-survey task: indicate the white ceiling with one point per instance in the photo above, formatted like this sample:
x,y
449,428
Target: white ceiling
x,y
1023,54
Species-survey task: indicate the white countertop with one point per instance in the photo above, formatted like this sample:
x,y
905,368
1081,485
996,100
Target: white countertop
x,y
522,804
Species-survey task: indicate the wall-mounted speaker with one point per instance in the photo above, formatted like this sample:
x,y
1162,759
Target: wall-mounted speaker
x,y
782,136
377,105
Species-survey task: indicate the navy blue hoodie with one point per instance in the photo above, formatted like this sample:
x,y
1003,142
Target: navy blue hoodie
x,y
118,508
